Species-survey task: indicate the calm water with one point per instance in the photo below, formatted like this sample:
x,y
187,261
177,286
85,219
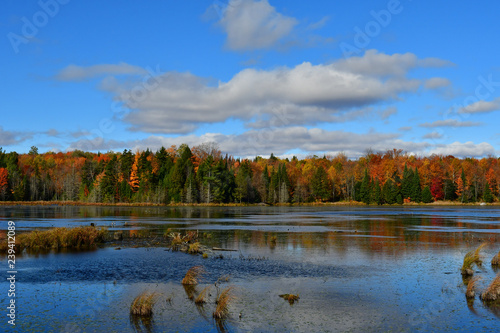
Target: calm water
x,y
355,269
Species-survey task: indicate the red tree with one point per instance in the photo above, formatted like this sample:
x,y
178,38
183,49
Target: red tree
x,y
437,188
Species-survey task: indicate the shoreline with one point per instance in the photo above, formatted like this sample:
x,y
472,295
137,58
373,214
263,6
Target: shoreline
x,y
310,204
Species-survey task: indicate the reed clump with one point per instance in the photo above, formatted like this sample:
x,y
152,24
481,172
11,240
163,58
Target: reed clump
x,y
471,287
202,296
495,261
59,238
291,298
194,248
223,301
143,304
492,293
472,258
194,275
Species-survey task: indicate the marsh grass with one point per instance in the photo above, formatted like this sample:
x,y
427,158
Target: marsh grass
x,y
472,258
291,298
143,304
194,248
222,302
60,238
495,261
492,293
194,275
202,297
471,287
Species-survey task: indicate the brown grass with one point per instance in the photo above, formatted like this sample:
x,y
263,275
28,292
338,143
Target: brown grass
x,y
194,248
223,300
496,259
202,297
471,287
472,258
492,293
143,304
58,238
291,298
194,275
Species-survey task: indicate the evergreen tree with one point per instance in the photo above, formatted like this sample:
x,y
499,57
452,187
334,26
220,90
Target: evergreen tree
x,y
427,195
320,187
487,195
416,189
389,192
399,199
407,183
365,188
109,181
449,190
376,193
264,191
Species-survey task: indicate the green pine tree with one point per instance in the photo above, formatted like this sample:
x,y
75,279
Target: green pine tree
x,y
427,195
365,188
416,189
487,195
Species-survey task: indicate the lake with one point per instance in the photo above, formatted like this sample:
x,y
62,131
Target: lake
x,y
355,269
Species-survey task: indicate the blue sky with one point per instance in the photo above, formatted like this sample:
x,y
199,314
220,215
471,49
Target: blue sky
x,y
288,77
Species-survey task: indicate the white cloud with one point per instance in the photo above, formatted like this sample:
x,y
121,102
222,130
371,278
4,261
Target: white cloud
x,y
81,73
8,138
303,95
481,107
437,82
374,63
433,135
467,149
450,123
254,25
264,142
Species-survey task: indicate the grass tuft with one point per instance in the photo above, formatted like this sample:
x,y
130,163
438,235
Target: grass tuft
x,y
143,304
492,293
472,258
496,259
59,238
291,298
202,297
223,300
194,275
471,287
194,248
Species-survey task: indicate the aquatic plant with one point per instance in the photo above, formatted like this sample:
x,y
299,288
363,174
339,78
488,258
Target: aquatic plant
x,y
202,297
205,255
291,298
223,301
57,238
495,261
472,258
143,304
176,239
194,275
194,248
492,293
471,287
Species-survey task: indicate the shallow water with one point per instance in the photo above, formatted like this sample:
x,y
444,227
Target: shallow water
x,y
354,268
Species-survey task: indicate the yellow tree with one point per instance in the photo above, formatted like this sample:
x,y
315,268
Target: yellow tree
x,y
134,178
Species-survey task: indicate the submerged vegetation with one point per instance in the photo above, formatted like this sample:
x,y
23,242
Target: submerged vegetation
x,y
495,261
59,238
472,258
194,275
471,287
202,297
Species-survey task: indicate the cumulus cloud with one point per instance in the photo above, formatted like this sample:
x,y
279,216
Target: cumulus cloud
x,y
380,64
481,107
81,73
450,123
264,142
178,103
254,25
467,149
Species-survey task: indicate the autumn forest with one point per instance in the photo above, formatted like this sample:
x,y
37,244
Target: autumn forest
x,y
202,174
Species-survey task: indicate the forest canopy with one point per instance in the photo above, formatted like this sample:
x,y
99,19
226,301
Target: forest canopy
x,y
202,174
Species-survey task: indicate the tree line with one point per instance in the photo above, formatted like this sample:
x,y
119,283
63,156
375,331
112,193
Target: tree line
x,y
202,174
